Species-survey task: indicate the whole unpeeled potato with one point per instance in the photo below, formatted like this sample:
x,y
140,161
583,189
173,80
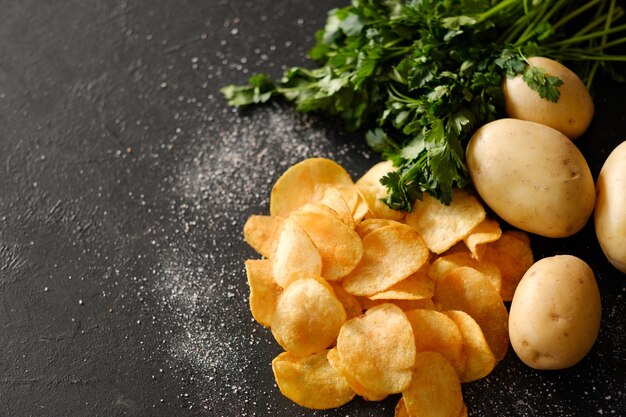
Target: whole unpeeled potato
x,y
555,313
571,115
610,211
532,176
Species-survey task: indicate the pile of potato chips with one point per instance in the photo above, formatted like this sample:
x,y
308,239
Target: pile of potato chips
x,y
370,301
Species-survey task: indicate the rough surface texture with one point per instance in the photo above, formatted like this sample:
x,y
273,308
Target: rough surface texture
x,y
125,185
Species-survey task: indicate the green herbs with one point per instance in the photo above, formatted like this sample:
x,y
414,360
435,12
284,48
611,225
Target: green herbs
x,y
420,76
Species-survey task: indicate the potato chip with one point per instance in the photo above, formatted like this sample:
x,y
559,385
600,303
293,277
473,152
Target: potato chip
x,y
442,226
415,287
468,290
335,361
350,303
263,290
311,382
334,200
513,255
378,349
369,225
262,233
446,263
404,305
361,209
308,316
306,182
400,410
295,251
463,412
480,360
339,246
487,231
437,332
435,389
390,254
373,191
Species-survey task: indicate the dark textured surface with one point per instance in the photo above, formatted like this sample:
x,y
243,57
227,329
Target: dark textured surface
x,y
125,181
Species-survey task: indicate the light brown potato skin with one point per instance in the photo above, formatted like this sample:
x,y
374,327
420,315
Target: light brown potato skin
x,y
554,317
571,115
610,211
532,176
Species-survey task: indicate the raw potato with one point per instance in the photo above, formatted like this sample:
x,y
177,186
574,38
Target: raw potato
x,y
571,115
532,176
610,212
555,313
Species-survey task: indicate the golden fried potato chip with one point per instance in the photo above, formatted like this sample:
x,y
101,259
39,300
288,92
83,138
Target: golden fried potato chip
x,y
435,389
405,305
400,410
378,349
262,233
335,361
360,209
480,360
369,225
295,251
487,231
306,182
442,226
373,191
446,263
415,287
334,200
310,381
390,254
263,290
468,290
339,246
308,316
513,255
436,332
350,302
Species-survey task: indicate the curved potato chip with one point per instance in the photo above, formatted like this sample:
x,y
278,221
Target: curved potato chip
x,y
435,389
335,361
487,231
468,290
262,233
480,360
334,200
437,332
350,303
415,287
390,254
360,209
369,225
446,263
442,226
263,290
311,382
400,410
373,191
307,317
405,305
295,251
378,349
306,182
513,255
339,246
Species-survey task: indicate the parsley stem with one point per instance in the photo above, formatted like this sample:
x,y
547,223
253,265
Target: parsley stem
x,y
593,35
607,26
574,13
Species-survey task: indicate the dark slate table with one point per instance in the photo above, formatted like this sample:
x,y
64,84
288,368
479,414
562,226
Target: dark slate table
x,y
125,182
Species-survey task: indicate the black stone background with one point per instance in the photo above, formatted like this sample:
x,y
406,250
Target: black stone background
x,y
124,183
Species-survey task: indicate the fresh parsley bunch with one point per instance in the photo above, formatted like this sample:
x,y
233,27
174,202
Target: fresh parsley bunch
x,y
422,75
